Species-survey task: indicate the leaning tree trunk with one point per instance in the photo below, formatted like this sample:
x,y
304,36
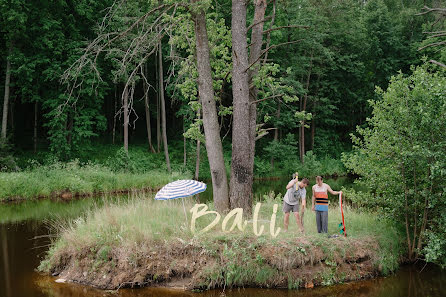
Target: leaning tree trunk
x,y
303,108
241,167
214,146
254,58
125,106
163,107
158,112
147,110
6,98
114,116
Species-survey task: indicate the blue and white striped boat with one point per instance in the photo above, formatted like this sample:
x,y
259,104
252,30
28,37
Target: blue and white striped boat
x,y
180,189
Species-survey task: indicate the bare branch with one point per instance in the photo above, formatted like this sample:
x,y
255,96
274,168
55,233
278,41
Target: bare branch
x,y
432,44
427,9
437,35
438,63
435,32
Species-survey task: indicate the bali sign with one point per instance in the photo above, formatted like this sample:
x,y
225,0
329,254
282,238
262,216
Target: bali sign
x,y
236,217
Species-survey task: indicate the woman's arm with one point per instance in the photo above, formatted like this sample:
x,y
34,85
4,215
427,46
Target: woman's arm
x,y
333,192
313,200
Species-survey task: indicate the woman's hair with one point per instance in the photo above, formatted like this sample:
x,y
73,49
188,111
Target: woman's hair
x,y
318,178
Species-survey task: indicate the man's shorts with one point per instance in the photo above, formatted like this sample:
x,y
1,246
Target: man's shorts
x,y
287,207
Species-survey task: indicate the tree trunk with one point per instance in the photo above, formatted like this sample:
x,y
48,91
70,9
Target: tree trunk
x,y
126,119
6,98
406,208
114,116
256,48
35,127
184,146
69,127
214,146
158,112
276,132
313,128
197,161
313,118
163,107
303,108
147,110
241,173
268,35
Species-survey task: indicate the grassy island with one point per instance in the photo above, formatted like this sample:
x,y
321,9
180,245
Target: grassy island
x,y
144,242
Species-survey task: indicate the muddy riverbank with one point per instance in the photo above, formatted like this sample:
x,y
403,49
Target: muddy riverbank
x,y
304,262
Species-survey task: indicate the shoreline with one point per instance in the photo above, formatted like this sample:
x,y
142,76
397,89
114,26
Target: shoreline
x,y
119,246
304,262
68,195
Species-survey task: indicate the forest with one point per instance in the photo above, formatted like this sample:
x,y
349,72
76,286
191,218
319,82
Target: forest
x,y
228,91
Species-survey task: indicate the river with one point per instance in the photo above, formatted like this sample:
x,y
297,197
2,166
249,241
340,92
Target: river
x,y
25,236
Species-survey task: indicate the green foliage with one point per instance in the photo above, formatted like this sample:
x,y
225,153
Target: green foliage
x,y
286,160
400,156
7,161
284,151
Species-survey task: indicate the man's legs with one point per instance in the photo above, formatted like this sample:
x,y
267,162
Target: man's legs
x,y
324,221
286,220
296,215
318,221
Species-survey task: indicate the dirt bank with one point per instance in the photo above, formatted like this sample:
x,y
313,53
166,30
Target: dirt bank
x,y
197,264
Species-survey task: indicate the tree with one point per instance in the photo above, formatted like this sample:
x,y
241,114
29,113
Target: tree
x,y
436,35
163,105
400,157
12,21
6,98
214,146
241,167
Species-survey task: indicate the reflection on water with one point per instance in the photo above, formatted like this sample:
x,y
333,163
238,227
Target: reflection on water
x,y
23,244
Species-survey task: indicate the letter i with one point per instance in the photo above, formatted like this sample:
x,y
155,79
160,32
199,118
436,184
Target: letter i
x,y
272,223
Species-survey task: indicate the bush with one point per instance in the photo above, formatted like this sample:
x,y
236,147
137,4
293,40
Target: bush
x,y
7,161
401,157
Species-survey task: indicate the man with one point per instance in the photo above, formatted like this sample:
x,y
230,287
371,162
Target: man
x,y
320,204
294,196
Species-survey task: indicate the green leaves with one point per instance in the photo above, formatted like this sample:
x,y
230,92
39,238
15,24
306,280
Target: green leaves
x,y
401,154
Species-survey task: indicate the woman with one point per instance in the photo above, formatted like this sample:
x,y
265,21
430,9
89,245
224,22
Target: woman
x,y
320,204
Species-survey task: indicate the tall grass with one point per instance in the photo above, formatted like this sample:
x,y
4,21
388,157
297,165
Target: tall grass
x,y
143,221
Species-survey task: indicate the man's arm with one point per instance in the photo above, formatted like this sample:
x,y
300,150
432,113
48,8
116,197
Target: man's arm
x,y
291,183
333,192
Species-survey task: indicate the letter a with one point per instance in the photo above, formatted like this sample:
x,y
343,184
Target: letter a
x,y
238,213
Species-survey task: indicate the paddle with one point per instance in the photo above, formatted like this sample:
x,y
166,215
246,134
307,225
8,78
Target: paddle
x,y
342,224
